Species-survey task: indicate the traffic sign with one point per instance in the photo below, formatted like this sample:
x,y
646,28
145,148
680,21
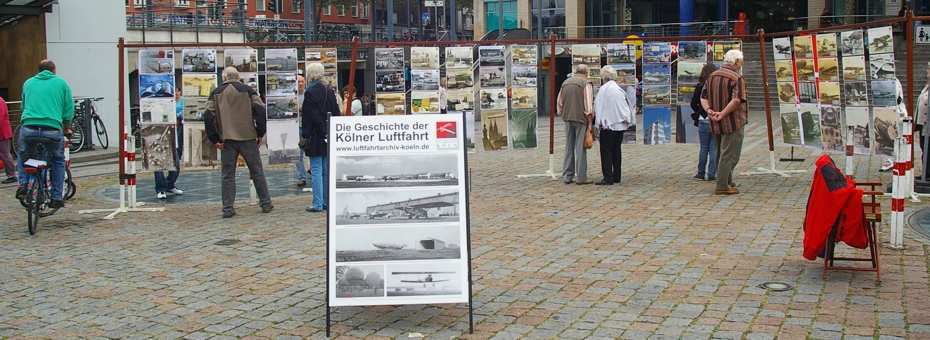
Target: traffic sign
x,y
434,3
425,16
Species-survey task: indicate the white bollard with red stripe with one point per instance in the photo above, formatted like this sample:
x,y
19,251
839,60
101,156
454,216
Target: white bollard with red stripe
x,y
901,180
850,167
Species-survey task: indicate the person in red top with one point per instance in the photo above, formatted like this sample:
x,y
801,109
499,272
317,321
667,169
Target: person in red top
x,y
6,143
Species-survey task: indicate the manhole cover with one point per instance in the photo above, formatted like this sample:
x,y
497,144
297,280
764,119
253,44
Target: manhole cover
x,y
776,286
920,222
226,242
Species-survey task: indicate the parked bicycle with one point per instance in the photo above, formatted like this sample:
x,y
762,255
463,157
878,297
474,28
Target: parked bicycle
x,y
38,191
77,126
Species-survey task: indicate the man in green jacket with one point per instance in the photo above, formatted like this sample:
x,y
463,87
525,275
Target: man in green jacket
x,y
48,109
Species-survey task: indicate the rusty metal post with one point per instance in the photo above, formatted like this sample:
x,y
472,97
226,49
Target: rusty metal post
x,y
350,93
765,86
122,113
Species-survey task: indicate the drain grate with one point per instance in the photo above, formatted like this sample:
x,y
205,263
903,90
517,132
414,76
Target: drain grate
x,y
776,286
920,222
227,242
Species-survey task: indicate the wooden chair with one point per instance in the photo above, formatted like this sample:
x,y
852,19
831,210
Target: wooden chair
x,y
873,219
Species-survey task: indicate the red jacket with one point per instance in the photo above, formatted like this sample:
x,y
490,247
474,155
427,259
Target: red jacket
x,y
6,132
833,201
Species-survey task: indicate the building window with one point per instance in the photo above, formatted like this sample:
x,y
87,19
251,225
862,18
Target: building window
x,y
510,14
365,8
138,3
341,11
553,14
355,10
295,6
260,5
327,11
183,3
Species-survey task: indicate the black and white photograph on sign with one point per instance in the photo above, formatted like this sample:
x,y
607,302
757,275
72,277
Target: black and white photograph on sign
x,y
313,56
880,40
397,170
852,43
493,99
657,95
782,48
424,102
685,131
885,130
459,79
803,46
281,138
656,52
389,58
523,76
201,151
854,68
657,74
629,137
158,147
156,85
829,69
324,56
884,93
281,60
831,121
281,108
197,85
492,77
922,34
804,68
523,55
523,98
685,93
722,47
810,122
494,130
826,45
790,124
523,128
856,93
156,66
194,108
857,120
882,66
280,84
330,78
621,53
424,80
458,57
460,100
689,72
807,92
830,93
491,56
250,79
198,61
784,70
391,103
595,72
432,206
423,279
626,74
692,51
389,81
158,111
156,54
469,130
242,60
786,94
359,281
424,57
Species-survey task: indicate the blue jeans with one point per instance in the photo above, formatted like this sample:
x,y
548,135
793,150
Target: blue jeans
x,y
57,152
319,181
301,171
707,150
161,184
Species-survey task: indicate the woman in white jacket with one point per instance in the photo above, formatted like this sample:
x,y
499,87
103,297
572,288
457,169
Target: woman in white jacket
x,y
614,114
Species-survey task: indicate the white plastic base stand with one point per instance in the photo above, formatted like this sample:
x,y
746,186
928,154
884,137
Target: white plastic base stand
x,y
127,191
549,173
772,171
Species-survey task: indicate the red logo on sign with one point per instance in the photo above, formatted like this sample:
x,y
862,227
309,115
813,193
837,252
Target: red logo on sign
x,y
445,129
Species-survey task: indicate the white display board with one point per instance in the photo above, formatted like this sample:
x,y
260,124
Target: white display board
x,y
398,210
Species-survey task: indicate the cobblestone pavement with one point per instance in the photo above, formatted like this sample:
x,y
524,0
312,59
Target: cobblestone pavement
x,y
658,256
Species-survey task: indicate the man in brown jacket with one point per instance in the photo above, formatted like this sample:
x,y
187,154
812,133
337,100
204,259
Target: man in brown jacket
x,y
235,122
576,106
725,100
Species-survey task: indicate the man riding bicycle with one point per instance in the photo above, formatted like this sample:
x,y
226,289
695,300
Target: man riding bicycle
x,y
48,109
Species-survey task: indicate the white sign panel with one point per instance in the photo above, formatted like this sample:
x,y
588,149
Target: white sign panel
x,y
397,217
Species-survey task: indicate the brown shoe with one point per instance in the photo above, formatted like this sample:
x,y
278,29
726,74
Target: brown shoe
x,y
587,181
301,183
733,191
732,185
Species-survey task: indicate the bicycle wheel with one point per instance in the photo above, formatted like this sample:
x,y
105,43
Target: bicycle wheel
x,y
46,195
33,204
101,132
70,187
76,143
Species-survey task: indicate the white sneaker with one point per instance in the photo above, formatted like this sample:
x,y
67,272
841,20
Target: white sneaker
x,y
176,191
161,195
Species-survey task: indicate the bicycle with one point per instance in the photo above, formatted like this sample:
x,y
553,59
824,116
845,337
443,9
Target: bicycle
x,y
38,195
70,187
98,125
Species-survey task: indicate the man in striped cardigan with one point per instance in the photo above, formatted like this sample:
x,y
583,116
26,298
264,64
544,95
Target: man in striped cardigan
x,y
724,99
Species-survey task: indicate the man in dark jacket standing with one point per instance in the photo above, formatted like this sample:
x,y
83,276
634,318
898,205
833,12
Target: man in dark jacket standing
x,y
319,103
235,122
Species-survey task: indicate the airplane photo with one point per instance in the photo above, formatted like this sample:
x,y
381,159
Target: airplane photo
x,y
388,243
428,279
423,279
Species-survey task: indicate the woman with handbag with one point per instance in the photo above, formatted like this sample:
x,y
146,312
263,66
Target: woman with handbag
x,y
318,105
707,157
614,113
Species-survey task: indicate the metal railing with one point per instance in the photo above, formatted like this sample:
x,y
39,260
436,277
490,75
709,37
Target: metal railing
x,y
804,23
650,30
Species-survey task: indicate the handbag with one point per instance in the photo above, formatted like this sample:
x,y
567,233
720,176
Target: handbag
x,y
588,138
